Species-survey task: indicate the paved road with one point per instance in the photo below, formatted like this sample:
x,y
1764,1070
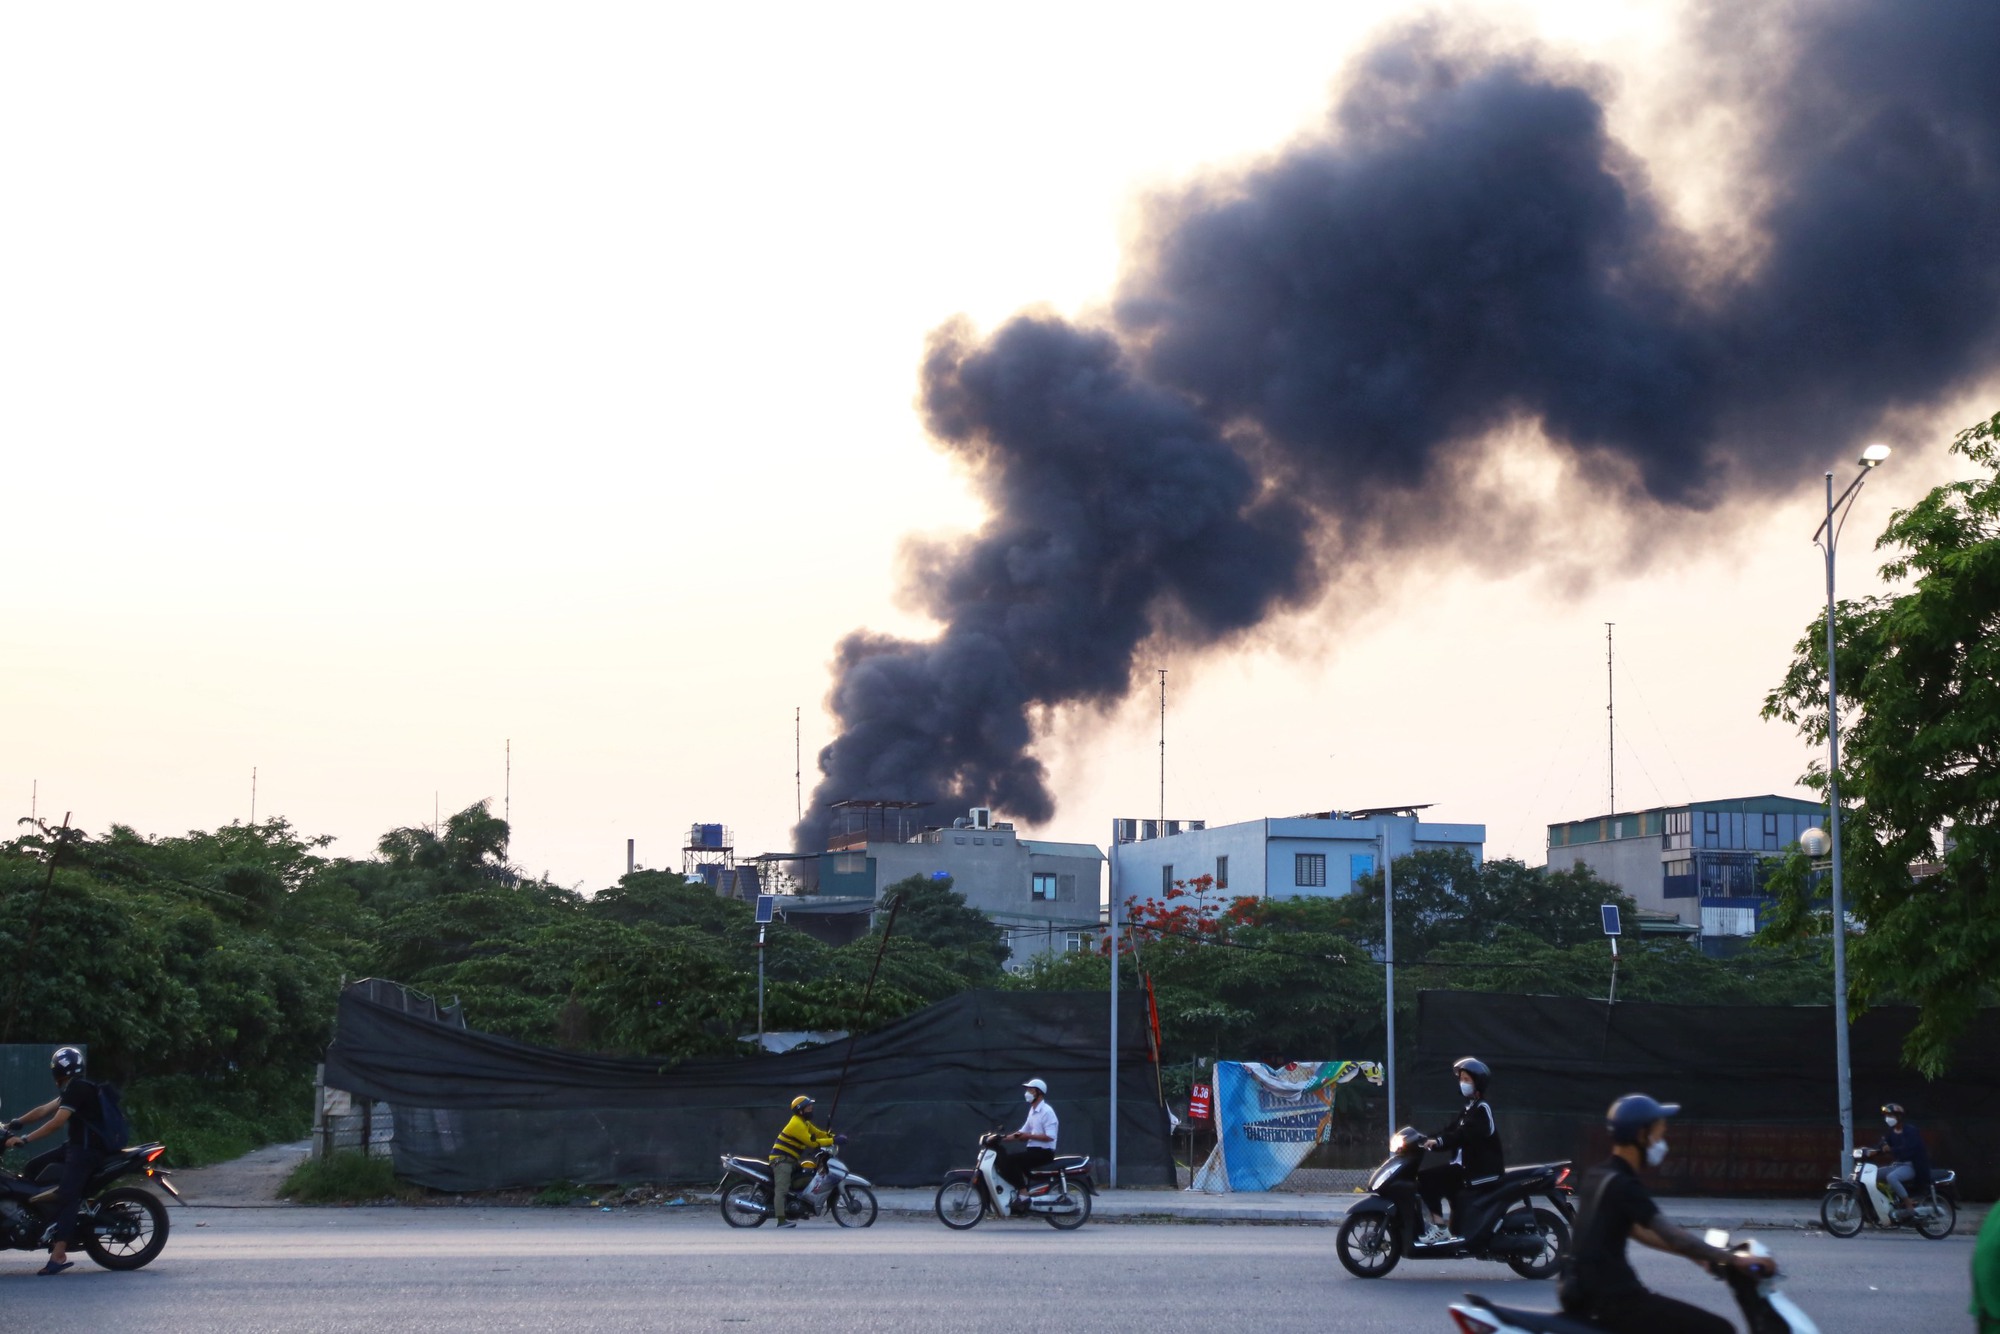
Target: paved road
x,y
355,1270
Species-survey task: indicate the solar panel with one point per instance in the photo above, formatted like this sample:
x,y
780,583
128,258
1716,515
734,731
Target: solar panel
x,y
768,903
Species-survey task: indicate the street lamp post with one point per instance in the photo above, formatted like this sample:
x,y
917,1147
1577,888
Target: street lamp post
x,y
1829,529
1389,972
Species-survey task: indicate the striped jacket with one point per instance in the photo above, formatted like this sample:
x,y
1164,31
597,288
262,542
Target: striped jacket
x,y
798,1136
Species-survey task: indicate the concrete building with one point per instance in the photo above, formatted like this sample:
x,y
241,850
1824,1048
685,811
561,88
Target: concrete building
x,y
1704,863
1044,895
1320,854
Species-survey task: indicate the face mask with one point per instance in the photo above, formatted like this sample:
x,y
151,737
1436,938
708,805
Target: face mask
x,y
1464,1088
1656,1153
1028,1095
1889,1121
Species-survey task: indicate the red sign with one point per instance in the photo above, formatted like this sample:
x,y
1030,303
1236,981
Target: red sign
x,y
1198,1103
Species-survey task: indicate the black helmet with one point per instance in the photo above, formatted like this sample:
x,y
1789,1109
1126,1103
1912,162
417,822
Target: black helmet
x,y
66,1063
1472,1065
1630,1115
1893,1109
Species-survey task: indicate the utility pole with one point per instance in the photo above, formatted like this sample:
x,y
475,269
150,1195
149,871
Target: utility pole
x,y
1389,969
507,806
1111,1168
798,770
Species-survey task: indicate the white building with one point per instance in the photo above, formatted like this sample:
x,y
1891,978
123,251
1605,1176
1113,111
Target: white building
x,y
1318,855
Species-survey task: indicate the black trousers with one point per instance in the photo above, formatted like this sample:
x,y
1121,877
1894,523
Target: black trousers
x,y
1648,1313
1438,1184
1015,1164
79,1164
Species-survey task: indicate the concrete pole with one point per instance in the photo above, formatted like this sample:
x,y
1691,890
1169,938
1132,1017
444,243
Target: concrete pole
x,y
760,987
1389,970
1111,1168
1842,1073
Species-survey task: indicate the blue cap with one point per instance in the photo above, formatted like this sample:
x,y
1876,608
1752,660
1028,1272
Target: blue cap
x,y
1630,1115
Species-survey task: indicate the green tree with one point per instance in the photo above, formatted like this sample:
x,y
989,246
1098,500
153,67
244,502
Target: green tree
x,y
935,914
1445,897
1919,676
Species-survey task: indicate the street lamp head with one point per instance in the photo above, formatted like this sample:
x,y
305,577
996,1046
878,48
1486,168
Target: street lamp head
x,y
1814,842
1873,455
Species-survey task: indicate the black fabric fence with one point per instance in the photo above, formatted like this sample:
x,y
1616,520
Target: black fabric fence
x,y
1756,1083
474,1111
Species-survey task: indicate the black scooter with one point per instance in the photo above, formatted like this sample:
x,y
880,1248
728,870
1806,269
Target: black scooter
x,y
1494,1221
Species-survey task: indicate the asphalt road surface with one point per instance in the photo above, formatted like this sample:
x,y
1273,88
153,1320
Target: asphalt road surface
x,y
350,1271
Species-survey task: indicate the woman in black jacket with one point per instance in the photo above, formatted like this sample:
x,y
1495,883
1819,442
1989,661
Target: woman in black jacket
x,y
1474,1141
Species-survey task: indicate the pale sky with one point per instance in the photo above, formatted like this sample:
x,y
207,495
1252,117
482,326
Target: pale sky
x,y
383,383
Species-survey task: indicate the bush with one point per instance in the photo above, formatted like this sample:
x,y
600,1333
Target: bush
x,y
346,1178
206,1120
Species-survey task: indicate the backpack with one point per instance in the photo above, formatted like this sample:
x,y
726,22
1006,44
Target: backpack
x,y
110,1128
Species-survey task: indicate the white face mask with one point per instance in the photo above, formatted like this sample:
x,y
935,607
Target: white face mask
x,y
1465,1088
1027,1095
1656,1153
1889,1121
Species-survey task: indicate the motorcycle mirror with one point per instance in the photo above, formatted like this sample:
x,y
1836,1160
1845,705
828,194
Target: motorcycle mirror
x,y
1717,1238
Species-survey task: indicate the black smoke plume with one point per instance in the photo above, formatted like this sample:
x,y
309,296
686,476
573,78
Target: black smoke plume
x,y
1301,354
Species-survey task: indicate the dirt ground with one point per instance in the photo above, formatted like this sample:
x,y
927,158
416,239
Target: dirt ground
x,y
251,1179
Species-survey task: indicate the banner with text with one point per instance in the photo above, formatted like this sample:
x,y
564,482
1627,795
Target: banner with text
x,y
1268,1118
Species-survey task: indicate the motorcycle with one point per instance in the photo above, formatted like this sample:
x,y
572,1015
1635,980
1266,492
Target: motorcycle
x,y
1493,1221
1865,1200
829,1188
1059,1191
123,1227
1765,1309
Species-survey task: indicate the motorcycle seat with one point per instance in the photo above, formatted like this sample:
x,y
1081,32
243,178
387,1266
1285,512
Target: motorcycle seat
x,y
1069,1162
1943,1178
1515,1175
1539,1322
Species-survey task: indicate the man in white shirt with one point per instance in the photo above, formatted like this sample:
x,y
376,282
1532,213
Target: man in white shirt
x,y
1037,1137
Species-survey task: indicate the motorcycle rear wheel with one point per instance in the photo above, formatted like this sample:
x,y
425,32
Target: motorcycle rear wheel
x,y
746,1204
1075,1215
1840,1212
1939,1226
1555,1243
960,1205
1367,1245
137,1212
853,1206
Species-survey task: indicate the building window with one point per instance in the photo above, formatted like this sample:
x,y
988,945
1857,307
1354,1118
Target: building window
x,y
1222,873
1682,867
1360,865
850,863
1711,829
1167,879
1073,942
1043,886
1309,870
1771,832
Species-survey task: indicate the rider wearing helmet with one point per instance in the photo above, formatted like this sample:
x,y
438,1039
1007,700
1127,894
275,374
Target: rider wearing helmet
x,y
1598,1285
1912,1167
77,1108
799,1136
1474,1141
1037,1136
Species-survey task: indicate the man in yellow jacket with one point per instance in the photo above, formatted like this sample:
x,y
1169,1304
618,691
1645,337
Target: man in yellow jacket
x,y
799,1136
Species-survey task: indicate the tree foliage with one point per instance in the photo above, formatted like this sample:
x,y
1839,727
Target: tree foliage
x,y
1919,676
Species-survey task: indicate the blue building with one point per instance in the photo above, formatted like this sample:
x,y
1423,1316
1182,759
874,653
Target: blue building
x,y
1314,855
1705,863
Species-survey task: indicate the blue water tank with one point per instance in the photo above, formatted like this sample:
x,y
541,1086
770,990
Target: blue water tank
x,y
711,836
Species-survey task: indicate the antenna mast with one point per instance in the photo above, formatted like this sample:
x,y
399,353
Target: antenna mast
x,y
798,770
1610,723
1163,751
253,794
507,800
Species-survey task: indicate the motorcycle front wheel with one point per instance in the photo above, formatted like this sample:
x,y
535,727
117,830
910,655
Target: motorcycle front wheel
x,y
1555,1240
746,1204
1840,1212
130,1229
1071,1211
1938,1225
960,1205
853,1206
1366,1245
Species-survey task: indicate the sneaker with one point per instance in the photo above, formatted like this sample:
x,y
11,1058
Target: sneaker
x,y
1433,1235
786,1222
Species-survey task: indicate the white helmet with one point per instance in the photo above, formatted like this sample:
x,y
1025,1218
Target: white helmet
x,y
1038,1086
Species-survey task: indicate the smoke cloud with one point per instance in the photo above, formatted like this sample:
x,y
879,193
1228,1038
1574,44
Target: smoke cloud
x,y
1299,351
